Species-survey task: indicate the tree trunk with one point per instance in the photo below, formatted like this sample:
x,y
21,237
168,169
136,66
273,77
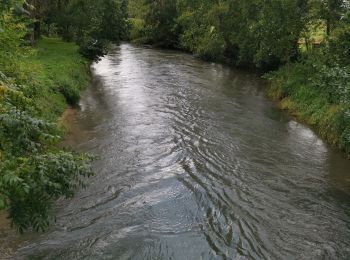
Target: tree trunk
x,y
37,30
328,27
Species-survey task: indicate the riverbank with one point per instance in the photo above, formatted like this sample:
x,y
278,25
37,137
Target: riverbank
x,y
60,75
34,169
318,96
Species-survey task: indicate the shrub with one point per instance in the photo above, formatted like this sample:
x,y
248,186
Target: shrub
x,y
318,91
210,46
137,26
92,48
29,185
33,172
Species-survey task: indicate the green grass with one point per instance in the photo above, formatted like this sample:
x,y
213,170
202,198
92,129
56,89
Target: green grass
x,y
57,75
298,89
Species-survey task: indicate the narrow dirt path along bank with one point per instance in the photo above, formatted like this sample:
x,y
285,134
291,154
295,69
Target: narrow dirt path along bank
x,y
195,163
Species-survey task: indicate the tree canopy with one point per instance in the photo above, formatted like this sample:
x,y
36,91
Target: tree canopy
x,y
259,33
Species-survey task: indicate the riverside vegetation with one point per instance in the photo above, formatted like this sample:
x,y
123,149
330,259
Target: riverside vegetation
x,y
302,46
305,43
39,76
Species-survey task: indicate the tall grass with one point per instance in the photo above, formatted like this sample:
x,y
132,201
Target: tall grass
x,y
316,93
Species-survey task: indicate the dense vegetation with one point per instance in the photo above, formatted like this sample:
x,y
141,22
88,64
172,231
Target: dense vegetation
x,y
306,43
39,76
92,24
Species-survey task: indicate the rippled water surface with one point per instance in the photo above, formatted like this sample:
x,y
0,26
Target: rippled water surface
x,y
193,162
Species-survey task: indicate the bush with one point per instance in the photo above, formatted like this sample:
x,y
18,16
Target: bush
x,y
339,44
29,185
317,90
93,49
210,46
137,26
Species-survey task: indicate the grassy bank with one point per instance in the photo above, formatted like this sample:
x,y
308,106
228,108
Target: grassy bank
x,y
59,74
34,171
317,94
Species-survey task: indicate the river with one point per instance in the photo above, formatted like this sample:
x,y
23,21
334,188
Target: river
x,y
194,162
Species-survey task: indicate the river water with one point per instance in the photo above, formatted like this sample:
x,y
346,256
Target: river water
x,y
194,162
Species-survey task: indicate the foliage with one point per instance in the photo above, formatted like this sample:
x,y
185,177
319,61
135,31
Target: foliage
x,y
160,27
82,21
56,73
33,171
201,36
339,43
317,90
90,23
238,30
318,87
92,48
12,32
136,29
30,184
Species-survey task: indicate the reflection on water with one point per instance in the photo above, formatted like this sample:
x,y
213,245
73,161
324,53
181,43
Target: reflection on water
x,y
195,163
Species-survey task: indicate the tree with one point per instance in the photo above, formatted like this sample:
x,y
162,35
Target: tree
x,y
331,11
161,22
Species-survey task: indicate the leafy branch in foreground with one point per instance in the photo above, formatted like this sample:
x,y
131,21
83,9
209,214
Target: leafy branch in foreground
x,y
30,185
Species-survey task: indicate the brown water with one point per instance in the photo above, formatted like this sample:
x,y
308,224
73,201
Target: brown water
x,y
195,163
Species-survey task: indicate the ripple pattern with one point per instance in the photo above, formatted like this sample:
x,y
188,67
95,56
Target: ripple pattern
x,y
195,163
